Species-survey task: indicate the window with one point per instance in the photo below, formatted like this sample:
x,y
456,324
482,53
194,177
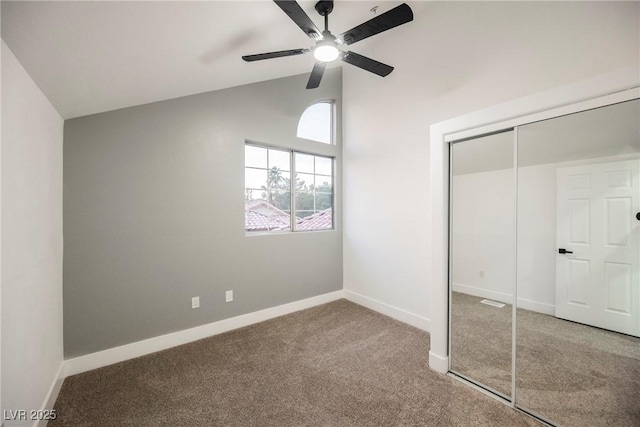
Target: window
x,y
269,189
313,192
316,123
267,182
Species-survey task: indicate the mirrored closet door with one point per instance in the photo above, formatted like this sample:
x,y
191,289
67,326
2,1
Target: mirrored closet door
x,y
546,217
578,258
482,257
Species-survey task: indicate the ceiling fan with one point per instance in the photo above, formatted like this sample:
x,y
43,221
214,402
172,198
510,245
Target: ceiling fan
x,y
327,48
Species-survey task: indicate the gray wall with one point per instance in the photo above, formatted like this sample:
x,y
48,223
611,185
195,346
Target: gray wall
x,y
153,215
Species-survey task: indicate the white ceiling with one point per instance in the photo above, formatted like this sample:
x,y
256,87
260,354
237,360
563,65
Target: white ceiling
x,y
90,56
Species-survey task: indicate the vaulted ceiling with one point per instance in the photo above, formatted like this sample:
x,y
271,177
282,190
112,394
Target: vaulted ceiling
x,y
90,57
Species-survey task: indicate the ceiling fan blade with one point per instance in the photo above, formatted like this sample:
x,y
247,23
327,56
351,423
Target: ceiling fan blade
x,y
298,16
316,75
367,63
277,54
397,16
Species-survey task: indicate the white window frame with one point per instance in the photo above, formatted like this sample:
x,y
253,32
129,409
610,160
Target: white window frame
x,y
332,121
292,211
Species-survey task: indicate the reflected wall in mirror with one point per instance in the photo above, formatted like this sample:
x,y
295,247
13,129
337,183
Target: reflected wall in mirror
x,y
578,282
482,258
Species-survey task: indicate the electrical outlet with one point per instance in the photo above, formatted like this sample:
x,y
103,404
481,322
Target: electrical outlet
x,y
195,302
481,274
228,297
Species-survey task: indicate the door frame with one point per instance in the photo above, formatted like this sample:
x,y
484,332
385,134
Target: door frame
x,y
618,86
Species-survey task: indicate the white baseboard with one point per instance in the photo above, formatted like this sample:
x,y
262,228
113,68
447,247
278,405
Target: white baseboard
x,y
389,310
539,307
129,351
527,304
438,363
482,293
52,394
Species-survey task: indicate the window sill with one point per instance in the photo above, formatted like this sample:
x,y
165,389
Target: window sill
x,y
280,233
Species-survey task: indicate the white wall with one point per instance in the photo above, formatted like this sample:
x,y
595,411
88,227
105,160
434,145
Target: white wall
x,y
31,239
537,195
483,234
454,58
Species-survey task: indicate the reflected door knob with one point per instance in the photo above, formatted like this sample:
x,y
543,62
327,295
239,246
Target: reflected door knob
x,y
564,251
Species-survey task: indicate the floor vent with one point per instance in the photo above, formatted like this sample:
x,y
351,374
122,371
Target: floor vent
x,y
492,303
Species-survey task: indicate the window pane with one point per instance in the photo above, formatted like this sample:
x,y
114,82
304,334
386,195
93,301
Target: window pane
x,y
303,214
323,165
253,194
314,220
255,178
304,182
304,163
323,201
315,123
278,220
281,200
280,159
323,184
256,214
255,156
277,179
304,202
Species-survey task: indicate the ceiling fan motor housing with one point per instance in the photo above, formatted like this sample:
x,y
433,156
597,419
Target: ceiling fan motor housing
x,y
324,7
326,35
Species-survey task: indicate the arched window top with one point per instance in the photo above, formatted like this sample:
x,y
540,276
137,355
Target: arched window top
x,y
316,122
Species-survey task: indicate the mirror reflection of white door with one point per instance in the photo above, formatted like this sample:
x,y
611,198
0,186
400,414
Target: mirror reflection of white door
x,y
597,280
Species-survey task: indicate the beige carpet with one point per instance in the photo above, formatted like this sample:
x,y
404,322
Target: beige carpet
x,y
334,365
481,342
572,374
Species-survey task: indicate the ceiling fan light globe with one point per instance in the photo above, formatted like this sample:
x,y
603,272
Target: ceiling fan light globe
x,y
326,53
